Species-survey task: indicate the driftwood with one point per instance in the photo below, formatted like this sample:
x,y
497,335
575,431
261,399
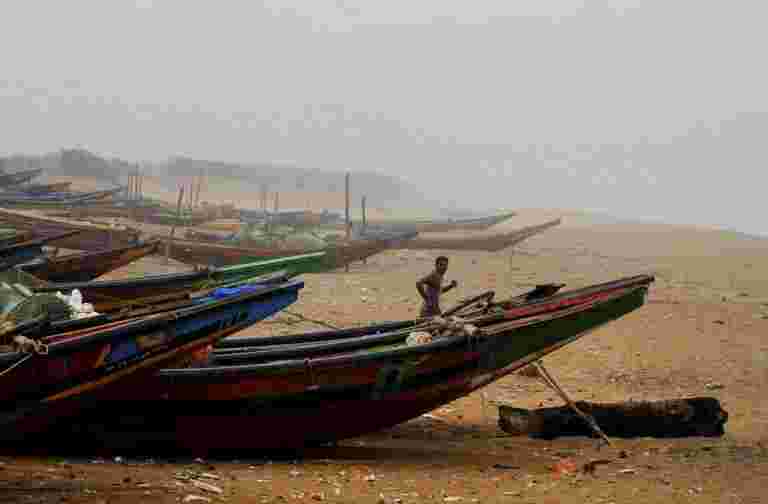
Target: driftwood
x,y
696,416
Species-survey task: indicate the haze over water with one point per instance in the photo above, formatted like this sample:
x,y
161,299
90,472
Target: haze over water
x,y
639,109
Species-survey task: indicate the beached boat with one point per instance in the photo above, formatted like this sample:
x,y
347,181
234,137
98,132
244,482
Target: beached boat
x,y
55,200
45,188
110,295
25,251
337,255
18,178
433,226
69,371
91,237
312,394
86,266
9,236
480,242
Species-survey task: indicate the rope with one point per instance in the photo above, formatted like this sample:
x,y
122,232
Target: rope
x,y
311,372
15,365
550,381
307,319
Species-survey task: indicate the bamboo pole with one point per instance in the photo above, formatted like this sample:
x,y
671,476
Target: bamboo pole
x,y
348,225
364,223
173,227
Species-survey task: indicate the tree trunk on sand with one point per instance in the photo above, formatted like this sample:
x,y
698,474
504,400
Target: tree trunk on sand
x,y
696,416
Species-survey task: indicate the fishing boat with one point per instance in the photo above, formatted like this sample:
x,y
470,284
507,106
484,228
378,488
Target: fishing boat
x,y
46,188
110,295
86,266
91,237
18,178
60,374
287,217
336,256
480,242
29,250
9,236
316,391
55,200
433,226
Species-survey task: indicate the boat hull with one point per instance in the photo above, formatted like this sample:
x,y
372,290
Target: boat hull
x,y
106,296
91,366
83,267
337,256
91,238
289,407
486,243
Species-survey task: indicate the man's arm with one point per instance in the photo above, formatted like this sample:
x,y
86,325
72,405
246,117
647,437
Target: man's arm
x,y
450,286
420,287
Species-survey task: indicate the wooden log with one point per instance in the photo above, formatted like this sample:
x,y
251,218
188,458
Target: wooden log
x,y
695,416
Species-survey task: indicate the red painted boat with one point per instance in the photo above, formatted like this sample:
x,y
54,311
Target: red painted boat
x,y
310,393
72,370
86,266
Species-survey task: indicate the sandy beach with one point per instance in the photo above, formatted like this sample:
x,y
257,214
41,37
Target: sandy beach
x,y
701,333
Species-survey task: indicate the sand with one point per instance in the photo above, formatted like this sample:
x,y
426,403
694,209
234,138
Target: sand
x,y
702,333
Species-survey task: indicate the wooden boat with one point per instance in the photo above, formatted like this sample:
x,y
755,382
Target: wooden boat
x,y
13,179
64,322
58,200
124,210
434,226
29,250
487,243
86,266
46,188
81,368
225,225
91,237
336,255
9,236
110,295
315,395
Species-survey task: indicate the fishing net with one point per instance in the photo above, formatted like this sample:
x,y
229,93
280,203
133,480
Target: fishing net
x,y
18,304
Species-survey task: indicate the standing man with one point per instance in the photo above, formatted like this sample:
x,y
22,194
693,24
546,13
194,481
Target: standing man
x,y
431,287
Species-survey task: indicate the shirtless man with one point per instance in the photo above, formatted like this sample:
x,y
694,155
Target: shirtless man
x,y
431,287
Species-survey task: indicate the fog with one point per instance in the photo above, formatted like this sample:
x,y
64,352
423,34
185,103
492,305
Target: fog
x,y
640,109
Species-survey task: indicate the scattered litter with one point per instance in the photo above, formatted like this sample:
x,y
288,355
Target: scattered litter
x,y
628,471
714,386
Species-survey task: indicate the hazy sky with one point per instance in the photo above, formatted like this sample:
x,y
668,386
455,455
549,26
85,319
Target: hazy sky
x,y
440,92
